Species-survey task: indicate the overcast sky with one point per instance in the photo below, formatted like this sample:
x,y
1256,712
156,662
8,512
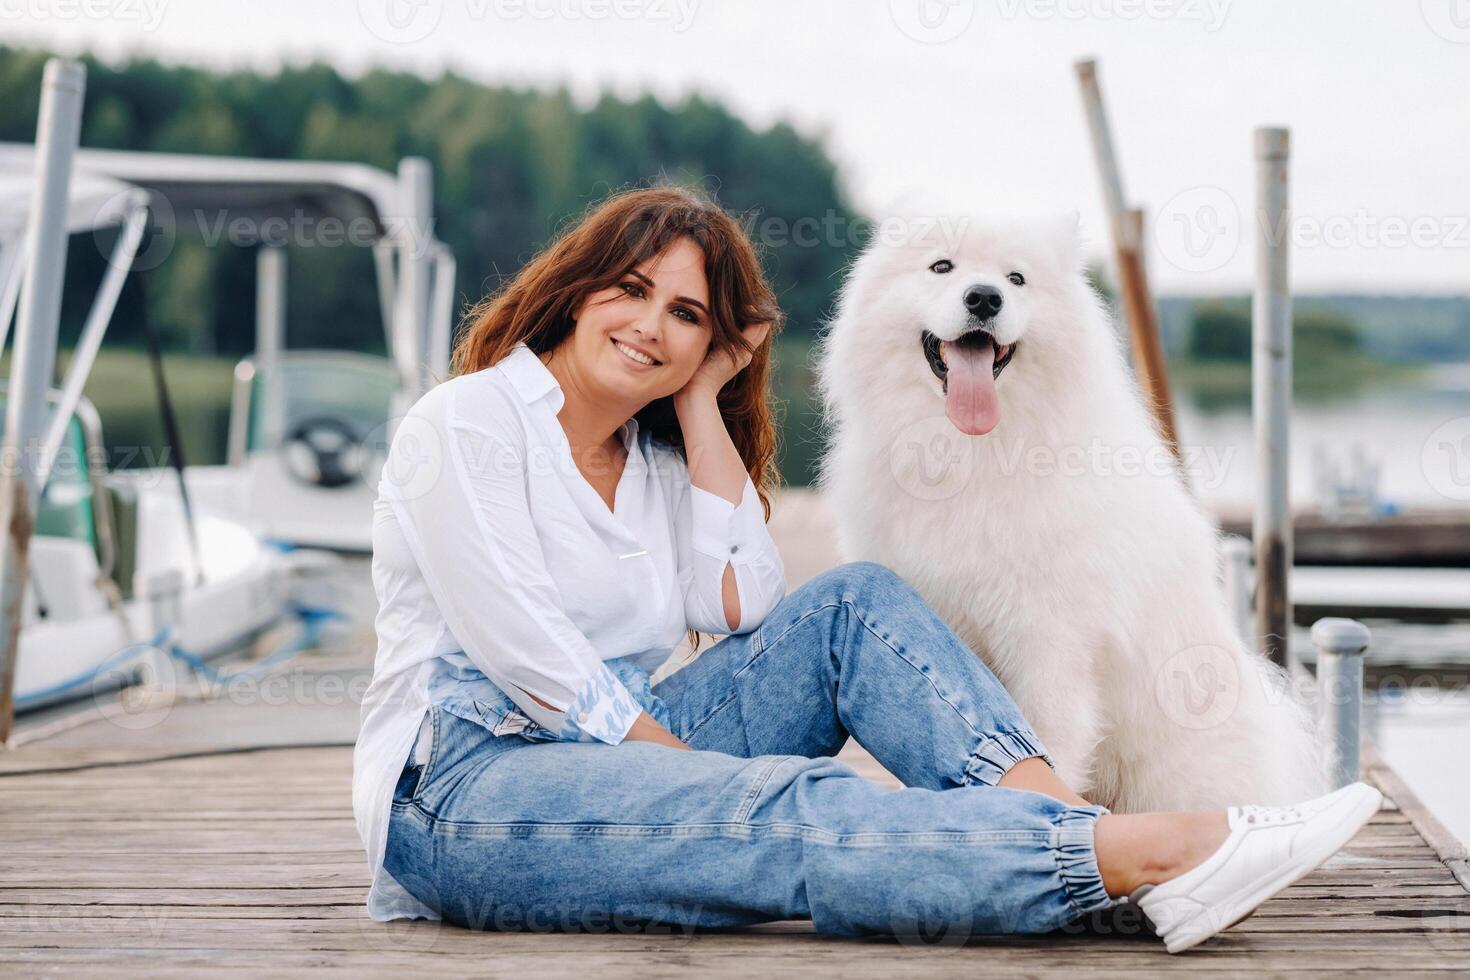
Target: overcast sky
x,y
971,102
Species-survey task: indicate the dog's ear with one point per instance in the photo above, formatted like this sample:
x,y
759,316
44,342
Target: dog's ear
x,y
1063,230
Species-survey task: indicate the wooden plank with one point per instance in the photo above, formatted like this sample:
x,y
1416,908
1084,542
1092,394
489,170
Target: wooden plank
x,y
855,960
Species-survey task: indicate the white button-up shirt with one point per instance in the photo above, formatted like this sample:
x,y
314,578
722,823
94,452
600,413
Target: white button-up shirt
x,y
487,540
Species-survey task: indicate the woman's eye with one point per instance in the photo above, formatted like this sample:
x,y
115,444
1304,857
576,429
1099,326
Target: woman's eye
x,y
942,266
628,287
687,314
1017,279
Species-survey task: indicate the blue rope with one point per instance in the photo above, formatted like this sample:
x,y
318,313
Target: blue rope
x,y
311,620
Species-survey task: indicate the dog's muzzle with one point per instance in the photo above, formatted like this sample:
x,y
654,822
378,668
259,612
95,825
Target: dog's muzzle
x,y
980,334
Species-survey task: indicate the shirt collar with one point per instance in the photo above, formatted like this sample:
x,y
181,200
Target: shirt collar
x,y
534,381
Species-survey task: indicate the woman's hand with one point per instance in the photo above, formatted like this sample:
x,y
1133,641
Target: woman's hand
x,y
720,366
645,729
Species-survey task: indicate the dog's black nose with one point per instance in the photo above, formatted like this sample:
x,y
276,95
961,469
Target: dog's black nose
x,y
983,301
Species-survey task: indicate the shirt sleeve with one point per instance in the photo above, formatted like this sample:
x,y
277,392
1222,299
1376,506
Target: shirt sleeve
x,y
712,532
459,493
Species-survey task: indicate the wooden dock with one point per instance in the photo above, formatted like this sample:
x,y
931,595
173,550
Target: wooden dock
x,y
250,862
218,835
1421,538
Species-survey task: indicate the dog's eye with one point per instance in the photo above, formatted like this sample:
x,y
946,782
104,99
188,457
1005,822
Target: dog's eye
x,y
1017,279
942,266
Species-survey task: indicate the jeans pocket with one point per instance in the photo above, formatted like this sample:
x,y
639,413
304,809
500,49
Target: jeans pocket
x,y
415,776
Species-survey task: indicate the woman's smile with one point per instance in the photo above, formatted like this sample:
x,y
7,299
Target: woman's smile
x,y
636,358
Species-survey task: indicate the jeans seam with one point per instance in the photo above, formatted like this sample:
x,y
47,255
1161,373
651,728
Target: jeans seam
x,y
729,828
915,668
746,805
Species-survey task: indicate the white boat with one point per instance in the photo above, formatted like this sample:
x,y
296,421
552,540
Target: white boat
x,y
112,560
308,429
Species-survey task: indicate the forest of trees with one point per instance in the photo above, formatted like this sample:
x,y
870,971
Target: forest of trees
x,y
510,166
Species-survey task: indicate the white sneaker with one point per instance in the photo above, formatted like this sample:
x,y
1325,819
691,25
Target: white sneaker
x,y
1269,847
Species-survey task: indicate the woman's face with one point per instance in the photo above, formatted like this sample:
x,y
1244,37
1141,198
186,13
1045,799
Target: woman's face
x,y
661,310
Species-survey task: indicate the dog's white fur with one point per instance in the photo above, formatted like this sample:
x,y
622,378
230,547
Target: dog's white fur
x,y
1058,546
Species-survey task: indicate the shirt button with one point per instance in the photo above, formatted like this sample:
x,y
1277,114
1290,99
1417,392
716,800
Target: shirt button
x,y
582,716
734,548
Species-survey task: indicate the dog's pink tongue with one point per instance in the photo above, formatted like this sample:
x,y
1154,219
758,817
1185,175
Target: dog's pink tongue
x,y
970,400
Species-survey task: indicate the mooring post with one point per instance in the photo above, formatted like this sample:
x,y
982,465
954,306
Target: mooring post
x,y
33,360
1236,552
1126,227
1341,645
1271,394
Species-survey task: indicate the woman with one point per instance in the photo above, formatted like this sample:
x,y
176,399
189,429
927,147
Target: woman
x,y
549,523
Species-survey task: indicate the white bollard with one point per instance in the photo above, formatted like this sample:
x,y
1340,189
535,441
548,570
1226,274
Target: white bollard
x,y
1341,645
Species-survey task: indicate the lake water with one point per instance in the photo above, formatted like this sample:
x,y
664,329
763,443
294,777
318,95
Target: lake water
x,y
1418,437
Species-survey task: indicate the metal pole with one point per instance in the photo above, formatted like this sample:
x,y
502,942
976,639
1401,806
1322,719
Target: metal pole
x,y
1271,395
441,316
10,271
1341,644
1126,226
270,303
84,355
415,240
387,289
57,132
270,339
1237,554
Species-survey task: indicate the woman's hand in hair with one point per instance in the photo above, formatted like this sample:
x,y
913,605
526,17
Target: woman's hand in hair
x,y
720,366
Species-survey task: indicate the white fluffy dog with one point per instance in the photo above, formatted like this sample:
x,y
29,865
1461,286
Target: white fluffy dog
x,y
990,446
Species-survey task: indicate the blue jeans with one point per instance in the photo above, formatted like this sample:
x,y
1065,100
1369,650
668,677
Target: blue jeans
x,y
759,823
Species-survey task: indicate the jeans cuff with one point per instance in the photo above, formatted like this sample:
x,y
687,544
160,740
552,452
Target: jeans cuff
x,y
1076,856
996,753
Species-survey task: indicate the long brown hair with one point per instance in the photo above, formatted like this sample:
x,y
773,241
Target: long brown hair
x,y
596,253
